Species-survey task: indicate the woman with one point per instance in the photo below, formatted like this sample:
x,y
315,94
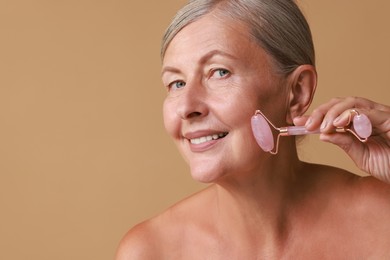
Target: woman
x,y
223,60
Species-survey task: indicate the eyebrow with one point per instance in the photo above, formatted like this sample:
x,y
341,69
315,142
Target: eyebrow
x,y
203,60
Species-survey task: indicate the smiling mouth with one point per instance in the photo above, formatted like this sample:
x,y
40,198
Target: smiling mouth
x,y
207,138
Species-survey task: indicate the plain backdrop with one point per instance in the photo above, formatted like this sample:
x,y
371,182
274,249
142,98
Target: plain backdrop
x,y
83,152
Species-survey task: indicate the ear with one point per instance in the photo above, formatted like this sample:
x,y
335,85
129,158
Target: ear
x,y
303,83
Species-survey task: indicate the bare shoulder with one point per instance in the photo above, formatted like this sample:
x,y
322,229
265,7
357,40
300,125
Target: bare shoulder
x,y
161,236
351,195
138,243
153,238
350,210
364,188
373,194
364,200
368,214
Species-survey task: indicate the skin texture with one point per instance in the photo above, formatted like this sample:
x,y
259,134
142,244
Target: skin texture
x,y
258,205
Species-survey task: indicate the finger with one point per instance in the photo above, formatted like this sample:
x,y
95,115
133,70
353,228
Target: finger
x,y
342,111
340,107
380,121
353,147
324,115
318,114
344,119
300,120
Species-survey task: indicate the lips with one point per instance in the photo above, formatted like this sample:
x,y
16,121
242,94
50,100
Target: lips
x,y
207,138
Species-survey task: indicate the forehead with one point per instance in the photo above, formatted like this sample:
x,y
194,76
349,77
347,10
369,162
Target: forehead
x,y
210,32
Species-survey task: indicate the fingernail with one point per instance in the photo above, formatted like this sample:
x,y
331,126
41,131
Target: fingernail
x,y
324,124
308,122
336,120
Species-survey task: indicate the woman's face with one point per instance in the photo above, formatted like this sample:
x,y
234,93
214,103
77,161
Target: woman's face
x,y
216,78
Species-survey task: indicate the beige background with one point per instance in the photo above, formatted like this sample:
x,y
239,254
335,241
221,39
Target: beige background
x,y
83,152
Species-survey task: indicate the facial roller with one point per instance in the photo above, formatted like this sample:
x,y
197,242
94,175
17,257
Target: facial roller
x,y
360,127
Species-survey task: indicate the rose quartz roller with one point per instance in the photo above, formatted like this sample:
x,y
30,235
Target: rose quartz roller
x,y
361,128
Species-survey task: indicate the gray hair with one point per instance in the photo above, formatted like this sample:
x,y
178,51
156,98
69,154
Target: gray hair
x,y
278,26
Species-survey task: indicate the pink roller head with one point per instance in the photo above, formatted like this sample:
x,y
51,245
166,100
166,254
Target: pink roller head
x,y
262,132
362,125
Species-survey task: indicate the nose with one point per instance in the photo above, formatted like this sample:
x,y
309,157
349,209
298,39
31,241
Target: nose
x,y
192,102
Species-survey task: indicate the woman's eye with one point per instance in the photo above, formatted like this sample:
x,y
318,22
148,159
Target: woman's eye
x,y
220,73
176,85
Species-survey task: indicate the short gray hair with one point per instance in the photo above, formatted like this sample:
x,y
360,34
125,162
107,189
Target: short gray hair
x,y
278,26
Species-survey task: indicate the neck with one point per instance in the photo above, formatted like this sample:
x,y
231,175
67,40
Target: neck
x,y
256,204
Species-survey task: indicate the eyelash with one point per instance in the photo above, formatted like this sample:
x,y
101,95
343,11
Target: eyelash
x,y
212,72
170,85
220,70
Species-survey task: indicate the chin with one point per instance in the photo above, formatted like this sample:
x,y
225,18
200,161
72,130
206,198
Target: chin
x,y
205,174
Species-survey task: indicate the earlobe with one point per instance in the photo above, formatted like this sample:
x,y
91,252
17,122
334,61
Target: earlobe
x,y
303,83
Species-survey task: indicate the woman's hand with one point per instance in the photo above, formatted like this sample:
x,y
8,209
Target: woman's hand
x,y
372,156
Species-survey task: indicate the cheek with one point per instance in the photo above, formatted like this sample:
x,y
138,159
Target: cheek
x,y
169,116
